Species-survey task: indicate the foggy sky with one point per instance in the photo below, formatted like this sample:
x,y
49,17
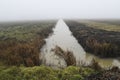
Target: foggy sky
x,y
11,10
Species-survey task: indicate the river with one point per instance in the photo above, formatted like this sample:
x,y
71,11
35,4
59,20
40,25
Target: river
x,y
63,38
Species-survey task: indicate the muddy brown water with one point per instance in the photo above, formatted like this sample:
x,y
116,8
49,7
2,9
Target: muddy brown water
x,y
63,38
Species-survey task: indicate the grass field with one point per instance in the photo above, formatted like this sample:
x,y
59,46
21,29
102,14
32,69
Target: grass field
x,y
23,30
107,25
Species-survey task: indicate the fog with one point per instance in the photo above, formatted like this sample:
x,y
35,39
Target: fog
x,y
12,10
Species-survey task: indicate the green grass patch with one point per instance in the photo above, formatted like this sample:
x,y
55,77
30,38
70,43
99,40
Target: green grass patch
x,y
44,73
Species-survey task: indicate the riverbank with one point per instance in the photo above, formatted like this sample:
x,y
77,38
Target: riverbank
x,y
89,72
62,38
99,42
20,43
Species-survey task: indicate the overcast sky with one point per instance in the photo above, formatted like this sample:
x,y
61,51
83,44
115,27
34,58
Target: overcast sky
x,y
11,10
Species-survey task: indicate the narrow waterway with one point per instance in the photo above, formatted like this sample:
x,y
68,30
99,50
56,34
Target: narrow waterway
x,y
63,38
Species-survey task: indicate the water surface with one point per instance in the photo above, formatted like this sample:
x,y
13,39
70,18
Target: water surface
x,y
63,38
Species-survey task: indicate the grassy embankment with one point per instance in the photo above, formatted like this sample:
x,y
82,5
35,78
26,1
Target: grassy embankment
x,y
100,39
48,73
20,43
91,72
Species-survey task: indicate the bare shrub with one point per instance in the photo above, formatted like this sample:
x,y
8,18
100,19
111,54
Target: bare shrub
x,y
66,55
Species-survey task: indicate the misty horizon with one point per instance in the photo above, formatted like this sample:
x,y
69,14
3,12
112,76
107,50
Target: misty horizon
x,y
25,10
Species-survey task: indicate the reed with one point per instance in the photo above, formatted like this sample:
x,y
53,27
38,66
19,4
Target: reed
x,y
66,55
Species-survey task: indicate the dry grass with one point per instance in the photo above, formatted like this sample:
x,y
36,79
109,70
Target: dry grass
x,y
66,55
103,49
100,25
17,53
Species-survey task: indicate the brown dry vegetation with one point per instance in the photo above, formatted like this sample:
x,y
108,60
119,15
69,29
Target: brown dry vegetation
x,y
104,49
66,55
16,53
26,51
96,41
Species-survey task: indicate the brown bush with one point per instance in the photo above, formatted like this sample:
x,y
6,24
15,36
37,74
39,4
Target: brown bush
x,y
16,53
103,49
66,55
